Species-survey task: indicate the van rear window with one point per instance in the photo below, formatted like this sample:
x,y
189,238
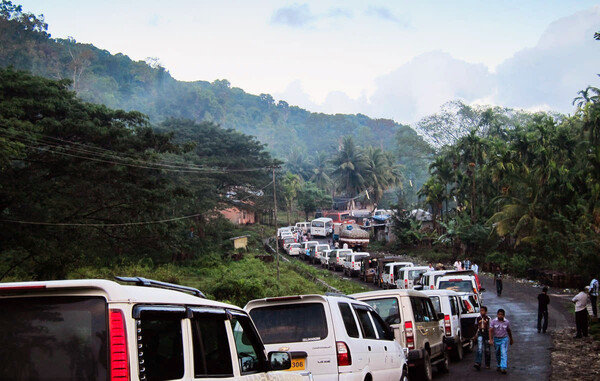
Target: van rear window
x,y
291,323
458,286
53,338
387,308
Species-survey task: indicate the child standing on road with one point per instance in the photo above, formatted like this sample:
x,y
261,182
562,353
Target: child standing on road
x,y
483,345
500,337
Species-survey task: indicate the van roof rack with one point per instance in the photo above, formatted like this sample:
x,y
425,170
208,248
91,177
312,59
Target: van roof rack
x,y
140,281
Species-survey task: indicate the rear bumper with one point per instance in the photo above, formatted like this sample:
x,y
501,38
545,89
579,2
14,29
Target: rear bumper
x,y
415,357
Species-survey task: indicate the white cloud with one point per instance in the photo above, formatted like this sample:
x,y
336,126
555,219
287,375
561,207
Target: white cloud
x,y
548,76
296,15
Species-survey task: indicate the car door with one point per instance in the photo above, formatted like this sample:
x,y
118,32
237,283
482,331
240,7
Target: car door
x,y
455,311
435,330
391,356
374,347
421,329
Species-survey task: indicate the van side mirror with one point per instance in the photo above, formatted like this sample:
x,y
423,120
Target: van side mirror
x,y
280,360
440,316
482,289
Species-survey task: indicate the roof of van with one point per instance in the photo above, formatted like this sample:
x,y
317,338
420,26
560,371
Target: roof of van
x,y
440,292
293,299
387,293
114,292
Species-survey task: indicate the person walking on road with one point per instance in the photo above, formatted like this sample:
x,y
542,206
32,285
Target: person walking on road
x,y
483,345
594,285
501,337
543,301
581,313
498,277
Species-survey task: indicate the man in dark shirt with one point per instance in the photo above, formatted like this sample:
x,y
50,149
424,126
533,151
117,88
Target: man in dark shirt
x,y
543,301
483,345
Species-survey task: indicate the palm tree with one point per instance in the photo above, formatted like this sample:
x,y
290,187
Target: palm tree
x,y
298,163
290,184
434,194
321,170
349,168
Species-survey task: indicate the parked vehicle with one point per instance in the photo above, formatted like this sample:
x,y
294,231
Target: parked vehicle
x,y
336,259
368,267
321,227
450,304
286,240
338,216
146,330
294,249
310,245
325,258
391,273
408,275
429,279
354,236
334,337
417,326
380,267
352,263
460,281
303,227
319,249
471,304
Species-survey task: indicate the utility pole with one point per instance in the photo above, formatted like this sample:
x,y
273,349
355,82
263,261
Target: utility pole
x,y
275,218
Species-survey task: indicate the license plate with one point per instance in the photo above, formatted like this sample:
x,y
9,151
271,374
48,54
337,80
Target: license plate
x,y
298,364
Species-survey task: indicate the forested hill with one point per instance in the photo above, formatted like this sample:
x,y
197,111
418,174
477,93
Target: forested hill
x,y
119,82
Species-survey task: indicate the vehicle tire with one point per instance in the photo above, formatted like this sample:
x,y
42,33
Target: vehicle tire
x,y
404,376
458,352
425,371
444,366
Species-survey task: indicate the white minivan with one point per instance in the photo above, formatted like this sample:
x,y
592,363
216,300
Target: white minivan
x,y
407,276
337,258
352,263
302,227
390,273
334,337
321,227
93,329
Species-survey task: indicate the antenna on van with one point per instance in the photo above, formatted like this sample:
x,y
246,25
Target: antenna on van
x,y
140,281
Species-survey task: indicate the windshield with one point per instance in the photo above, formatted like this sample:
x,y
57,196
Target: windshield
x,y
458,286
387,308
295,245
414,274
53,338
291,323
318,224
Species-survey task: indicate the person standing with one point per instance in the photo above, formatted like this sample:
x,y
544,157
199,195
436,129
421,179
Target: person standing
x,y
581,313
543,301
458,265
594,285
467,264
475,268
500,337
498,277
483,345
430,267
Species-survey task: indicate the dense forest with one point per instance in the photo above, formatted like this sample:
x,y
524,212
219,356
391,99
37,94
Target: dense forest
x,y
289,132
516,189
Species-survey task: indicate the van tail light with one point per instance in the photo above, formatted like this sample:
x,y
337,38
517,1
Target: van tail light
x,y
432,287
410,337
343,354
475,291
447,327
406,284
119,363
391,278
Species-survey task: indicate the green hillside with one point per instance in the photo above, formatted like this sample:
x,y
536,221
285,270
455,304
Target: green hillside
x,y
121,83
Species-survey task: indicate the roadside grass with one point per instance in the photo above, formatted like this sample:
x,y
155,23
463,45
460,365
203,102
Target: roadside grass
x,y
328,277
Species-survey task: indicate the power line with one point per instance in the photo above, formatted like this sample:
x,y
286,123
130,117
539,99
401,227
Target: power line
x,y
151,165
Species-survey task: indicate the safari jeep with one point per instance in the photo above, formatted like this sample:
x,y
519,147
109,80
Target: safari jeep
x,y
147,330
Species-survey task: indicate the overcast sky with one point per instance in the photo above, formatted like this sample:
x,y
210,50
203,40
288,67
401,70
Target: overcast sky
x,y
392,59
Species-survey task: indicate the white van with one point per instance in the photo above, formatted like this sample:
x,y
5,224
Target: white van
x,y
321,227
302,227
429,279
352,263
319,249
449,303
336,259
101,330
334,337
390,273
408,275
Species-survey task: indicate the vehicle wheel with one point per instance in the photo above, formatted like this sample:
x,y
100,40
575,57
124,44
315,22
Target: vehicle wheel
x,y
458,352
424,372
404,376
444,366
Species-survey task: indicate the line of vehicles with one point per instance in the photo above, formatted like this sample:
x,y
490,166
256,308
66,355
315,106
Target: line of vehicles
x,y
431,313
